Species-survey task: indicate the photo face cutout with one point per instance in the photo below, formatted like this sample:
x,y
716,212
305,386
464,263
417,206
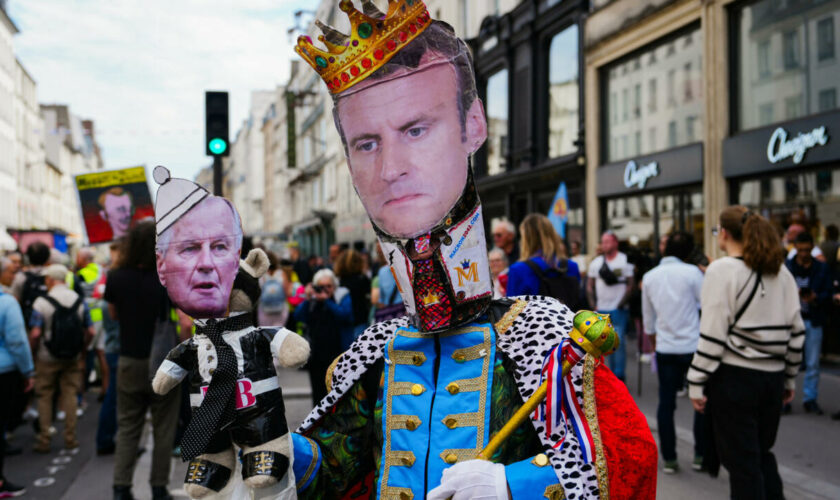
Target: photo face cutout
x,y
198,258
408,149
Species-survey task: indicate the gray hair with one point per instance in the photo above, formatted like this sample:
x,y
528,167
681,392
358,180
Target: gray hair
x,y
165,238
325,273
5,262
502,222
498,252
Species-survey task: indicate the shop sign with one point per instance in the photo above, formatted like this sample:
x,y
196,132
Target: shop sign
x,y
679,166
781,148
796,144
635,175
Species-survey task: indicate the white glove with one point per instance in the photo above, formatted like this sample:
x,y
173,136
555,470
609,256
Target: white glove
x,y
473,479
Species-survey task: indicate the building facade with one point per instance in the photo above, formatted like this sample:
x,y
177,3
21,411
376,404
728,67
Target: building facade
x,y
8,172
29,153
692,106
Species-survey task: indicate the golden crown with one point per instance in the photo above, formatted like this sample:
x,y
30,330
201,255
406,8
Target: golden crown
x,y
373,40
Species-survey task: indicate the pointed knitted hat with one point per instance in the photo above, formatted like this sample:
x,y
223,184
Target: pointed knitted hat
x,y
175,197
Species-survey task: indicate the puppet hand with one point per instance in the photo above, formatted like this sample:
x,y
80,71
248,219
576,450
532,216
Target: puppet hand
x,y
292,351
163,383
472,479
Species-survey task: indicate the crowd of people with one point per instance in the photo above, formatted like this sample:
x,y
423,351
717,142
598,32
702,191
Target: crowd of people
x,y
773,298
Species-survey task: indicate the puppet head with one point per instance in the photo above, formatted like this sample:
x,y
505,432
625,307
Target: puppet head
x,y
199,239
407,111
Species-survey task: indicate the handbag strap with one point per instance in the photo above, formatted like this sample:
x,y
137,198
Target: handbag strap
x,y
749,300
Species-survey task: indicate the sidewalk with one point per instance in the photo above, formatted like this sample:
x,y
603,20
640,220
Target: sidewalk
x,y
94,479
807,447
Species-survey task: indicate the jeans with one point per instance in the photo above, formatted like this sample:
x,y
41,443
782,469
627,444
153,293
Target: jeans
x,y
813,347
671,370
745,407
617,360
106,430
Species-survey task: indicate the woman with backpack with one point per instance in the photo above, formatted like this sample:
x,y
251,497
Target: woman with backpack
x,y
544,268
749,352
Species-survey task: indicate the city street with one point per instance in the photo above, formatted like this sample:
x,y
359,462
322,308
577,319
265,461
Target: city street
x,y
806,450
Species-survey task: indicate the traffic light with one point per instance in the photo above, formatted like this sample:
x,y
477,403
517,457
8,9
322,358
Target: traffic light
x,y
216,123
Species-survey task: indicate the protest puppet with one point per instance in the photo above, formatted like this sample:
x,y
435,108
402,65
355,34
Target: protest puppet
x,y
415,400
235,393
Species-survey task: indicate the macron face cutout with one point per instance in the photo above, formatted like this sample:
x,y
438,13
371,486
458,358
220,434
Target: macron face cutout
x,y
409,131
198,245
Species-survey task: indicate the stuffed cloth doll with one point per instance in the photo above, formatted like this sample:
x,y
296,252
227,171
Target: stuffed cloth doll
x,y
230,362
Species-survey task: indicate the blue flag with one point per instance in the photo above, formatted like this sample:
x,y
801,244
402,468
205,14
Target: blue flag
x,y
558,214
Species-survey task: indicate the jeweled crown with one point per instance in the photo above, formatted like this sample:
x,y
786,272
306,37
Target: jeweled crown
x,y
373,40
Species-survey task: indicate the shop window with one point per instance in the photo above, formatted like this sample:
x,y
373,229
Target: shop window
x,y
563,83
689,128
672,134
793,107
764,59
825,39
672,88
652,95
637,100
790,51
796,38
497,122
765,114
660,98
828,99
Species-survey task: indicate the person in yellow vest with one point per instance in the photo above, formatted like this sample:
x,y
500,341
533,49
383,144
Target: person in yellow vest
x,y
83,282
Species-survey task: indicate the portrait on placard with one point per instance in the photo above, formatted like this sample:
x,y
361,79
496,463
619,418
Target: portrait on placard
x,y
112,201
199,241
409,131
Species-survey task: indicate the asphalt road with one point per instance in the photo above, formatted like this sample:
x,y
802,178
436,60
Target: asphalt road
x,y
807,449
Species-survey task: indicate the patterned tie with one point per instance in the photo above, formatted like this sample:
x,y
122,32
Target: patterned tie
x,y
433,307
218,408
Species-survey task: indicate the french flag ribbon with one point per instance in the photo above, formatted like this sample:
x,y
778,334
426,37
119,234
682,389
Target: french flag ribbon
x,y
561,406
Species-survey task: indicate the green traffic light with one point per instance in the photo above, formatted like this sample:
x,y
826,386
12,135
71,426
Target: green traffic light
x,y
217,146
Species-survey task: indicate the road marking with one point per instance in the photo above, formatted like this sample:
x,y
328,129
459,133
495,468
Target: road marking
x,y
62,460
43,482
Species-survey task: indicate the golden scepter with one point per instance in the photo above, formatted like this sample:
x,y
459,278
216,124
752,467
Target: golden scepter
x,y
594,333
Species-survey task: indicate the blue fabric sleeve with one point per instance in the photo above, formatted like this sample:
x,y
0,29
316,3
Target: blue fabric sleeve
x,y
36,320
307,460
528,480
15,336
343,311
522,281
574,270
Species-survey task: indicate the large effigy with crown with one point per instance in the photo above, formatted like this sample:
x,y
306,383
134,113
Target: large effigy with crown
x,y
463,395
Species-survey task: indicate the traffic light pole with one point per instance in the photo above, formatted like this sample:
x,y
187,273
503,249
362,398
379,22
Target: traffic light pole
x,y
217,175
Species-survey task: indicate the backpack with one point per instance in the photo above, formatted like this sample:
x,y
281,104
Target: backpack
x,y
273,298
554,282
33,287
68,332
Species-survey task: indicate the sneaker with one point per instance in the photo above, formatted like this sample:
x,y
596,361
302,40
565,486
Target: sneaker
x,y
812,407
123,493
71,444
41,447
9,490
697,464
645,358
60,415
160,493
176,451
682,392
671,467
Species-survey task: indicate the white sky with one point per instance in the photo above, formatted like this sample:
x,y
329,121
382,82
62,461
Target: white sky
x,y
139,68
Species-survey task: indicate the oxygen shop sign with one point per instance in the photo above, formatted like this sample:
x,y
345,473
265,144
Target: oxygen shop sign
x,y
781,147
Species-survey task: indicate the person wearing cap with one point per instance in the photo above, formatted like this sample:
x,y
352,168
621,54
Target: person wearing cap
x,y
415,399
51,373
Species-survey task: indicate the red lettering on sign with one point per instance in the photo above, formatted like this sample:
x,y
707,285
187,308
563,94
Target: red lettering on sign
x,y
244,396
